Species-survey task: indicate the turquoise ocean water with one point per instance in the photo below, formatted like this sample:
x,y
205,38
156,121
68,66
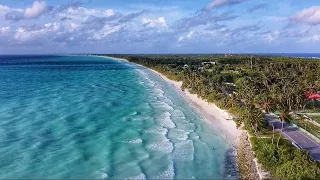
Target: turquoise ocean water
x,y
91,117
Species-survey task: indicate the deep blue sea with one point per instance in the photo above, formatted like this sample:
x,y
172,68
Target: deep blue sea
x,y
92,117
295,55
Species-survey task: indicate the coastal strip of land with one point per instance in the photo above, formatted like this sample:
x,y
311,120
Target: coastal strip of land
x,y
251,88
210,111
221,119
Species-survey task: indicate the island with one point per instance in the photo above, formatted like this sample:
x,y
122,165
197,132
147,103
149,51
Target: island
x,y
275,101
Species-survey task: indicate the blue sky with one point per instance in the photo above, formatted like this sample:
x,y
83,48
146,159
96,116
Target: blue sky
x,y
159,26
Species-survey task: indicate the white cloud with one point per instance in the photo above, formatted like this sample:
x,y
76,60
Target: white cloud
x,y
190,35
273,36
310,16
107,30
81,11
160,22
109,12
4,30
316,37
3,8
80,14
217,3
38,8
49,29
181,38
72,27
313,38
220,3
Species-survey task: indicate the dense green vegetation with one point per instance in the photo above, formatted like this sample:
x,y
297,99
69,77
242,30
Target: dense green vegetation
x,y
245,86
285,161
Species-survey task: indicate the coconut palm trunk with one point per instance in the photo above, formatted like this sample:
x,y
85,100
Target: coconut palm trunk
x,y
272,133
282,117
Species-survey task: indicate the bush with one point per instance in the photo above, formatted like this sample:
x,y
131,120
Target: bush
x,y
285,162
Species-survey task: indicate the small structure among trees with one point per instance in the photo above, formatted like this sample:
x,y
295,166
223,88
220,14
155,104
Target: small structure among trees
x,y
312,95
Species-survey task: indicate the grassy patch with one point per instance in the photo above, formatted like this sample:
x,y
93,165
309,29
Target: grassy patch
x,y
316,119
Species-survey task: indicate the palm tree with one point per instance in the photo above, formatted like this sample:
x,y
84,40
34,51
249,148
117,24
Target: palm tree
x,y
253,118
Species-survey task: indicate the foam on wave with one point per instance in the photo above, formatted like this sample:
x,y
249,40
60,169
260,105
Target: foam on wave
x,y
184,151
165,120
168,173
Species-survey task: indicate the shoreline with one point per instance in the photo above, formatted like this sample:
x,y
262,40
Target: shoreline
x,y
216,116
220,119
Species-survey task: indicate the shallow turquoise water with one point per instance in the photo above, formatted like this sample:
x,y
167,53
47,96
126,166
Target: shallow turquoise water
x,y
91,117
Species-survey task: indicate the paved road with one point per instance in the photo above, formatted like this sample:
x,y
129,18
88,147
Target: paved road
x,y
296,136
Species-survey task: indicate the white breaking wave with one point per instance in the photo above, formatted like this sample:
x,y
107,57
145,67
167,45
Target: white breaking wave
x,y
164,146
104,176
157,130
184,151
140,176
166,121
178,114
163,105
134,141
179,134
167,174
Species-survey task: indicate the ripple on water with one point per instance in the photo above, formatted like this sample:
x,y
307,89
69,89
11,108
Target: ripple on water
x,y
102,124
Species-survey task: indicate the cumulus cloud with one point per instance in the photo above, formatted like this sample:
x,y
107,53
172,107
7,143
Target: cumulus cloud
x,y
160,22
278,35
23,34
3,9
5,35
190,35
72,25
4,30
220,3
37,9
64,7
81,13
309,16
